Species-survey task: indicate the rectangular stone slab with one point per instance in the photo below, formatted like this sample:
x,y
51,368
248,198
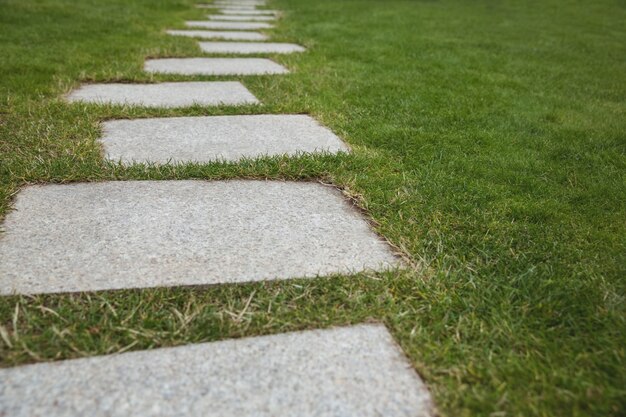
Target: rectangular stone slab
x,y
137,234
227,10
214,66
345,371
250,47
228,25
235,18
178,94
225,35
211,138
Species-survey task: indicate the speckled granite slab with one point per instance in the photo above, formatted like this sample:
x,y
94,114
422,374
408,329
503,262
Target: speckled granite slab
x,y
345,371
226,10
235,18
250,47
178,94
210,138
207,24
214,66
135,234
215,34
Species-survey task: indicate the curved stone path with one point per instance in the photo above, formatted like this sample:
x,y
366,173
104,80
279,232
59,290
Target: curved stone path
x,y
138,234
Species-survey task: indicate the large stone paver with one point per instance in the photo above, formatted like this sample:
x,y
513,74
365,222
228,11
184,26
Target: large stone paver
x,y
345,371
235,18
225,35
250,47
179,94
214,66
228,25
134,234
227,10
210,138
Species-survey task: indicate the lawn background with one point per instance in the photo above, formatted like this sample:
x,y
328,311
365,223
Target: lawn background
x,y
489,144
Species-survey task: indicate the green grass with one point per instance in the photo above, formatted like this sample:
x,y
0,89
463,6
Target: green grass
x,y
489,144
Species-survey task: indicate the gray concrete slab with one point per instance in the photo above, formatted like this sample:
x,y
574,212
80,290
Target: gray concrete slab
x,y
214,66
238,6
236,18
138,234
250,47
211,138
225,35
179,94
226,10
345,371
228,25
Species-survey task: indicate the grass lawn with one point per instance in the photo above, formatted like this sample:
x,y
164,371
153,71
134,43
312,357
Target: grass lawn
x,y
489,144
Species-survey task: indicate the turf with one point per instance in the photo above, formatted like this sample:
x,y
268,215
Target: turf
x,y
489,143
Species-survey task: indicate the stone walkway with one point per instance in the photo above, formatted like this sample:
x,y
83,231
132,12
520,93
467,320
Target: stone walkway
x,y
140,234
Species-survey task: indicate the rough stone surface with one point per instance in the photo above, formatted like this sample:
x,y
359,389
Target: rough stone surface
x,y
136,234
179,94
228,25
344,371
205,139
214,66
227,10
226,35
250,47
235,18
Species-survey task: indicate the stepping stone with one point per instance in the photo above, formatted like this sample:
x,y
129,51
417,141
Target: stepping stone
x,y
234,6
139,234
248,12
250,47
214,66
228,25
234,18
179,94
345,371
206,139
239,4
208,34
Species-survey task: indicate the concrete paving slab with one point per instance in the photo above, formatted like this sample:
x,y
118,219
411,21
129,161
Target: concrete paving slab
x,y
345,371
226,10
225,35
138,234
237,6
206,139
250,47
228,25
214,66
178,94
236,18
240,3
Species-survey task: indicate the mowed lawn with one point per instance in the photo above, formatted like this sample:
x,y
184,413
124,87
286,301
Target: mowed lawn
x,y
489,145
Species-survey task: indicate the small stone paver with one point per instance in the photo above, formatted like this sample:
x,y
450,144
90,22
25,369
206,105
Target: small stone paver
x,y
248,12
250,47
178,94
225,35
235,18
214,66
228,25
343,371
139,234
211,138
